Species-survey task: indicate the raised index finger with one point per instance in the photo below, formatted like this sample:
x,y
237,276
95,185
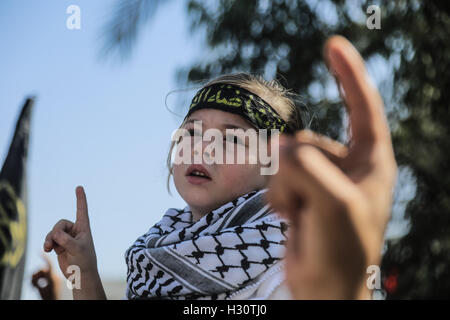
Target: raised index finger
x,y
364,104
82,209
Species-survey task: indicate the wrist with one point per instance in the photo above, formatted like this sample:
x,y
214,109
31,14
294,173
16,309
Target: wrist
x,y
89,287
326,286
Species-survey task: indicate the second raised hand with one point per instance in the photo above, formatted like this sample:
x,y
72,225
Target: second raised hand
x,y
73,242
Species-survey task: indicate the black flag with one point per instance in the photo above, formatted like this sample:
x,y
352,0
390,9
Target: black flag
x,y
13,209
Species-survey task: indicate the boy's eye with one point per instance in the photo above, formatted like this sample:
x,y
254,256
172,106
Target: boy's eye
x,y
233,139
192,132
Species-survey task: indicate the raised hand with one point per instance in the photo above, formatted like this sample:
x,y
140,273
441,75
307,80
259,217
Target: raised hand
x,y
46,281
73,244
338,198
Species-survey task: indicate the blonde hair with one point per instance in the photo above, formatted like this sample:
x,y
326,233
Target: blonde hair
x,y
282,100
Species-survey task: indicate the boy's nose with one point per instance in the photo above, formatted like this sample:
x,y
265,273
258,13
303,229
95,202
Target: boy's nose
x,y
198,148
201,147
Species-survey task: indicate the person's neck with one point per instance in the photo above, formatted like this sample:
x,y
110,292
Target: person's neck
x,y
198,213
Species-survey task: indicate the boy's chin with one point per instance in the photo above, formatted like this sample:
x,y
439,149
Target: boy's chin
x,y
205,204
199,198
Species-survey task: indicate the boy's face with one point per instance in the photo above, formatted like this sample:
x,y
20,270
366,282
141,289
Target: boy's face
x,y
226,181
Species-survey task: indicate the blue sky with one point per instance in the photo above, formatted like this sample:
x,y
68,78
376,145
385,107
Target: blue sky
x,y
99,124
95,123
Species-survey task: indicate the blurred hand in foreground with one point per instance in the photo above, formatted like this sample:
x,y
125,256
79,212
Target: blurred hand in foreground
x,y
337,198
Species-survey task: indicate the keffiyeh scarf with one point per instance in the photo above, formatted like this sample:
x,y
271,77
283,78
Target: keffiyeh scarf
x,y
225,251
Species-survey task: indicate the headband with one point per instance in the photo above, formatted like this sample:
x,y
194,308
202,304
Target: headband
x,y
234,99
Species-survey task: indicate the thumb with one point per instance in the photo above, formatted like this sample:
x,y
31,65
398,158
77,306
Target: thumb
x,y
82,209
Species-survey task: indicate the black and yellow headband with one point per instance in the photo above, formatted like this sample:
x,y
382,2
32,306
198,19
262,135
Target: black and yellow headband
x,y
234,99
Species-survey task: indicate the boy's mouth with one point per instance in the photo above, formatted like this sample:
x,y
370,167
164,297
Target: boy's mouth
x,y
197,174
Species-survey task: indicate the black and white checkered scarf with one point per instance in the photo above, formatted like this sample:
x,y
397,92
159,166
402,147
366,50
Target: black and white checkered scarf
x,y
222,253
